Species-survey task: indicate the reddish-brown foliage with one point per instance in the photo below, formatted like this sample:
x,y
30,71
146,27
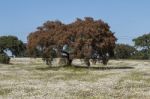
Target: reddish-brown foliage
x,y
86,39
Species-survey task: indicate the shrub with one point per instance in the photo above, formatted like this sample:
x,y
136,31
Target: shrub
x,y
124,51
141,55
4,58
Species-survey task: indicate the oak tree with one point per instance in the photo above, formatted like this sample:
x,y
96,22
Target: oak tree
x,y
85,38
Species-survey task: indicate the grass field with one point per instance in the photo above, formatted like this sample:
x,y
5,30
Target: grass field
x,y
121,79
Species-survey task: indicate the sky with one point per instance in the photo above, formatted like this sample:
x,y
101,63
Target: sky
x,y
127,18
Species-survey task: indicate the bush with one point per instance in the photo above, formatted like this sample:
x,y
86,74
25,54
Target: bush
x,y
141,55
124,51
4,58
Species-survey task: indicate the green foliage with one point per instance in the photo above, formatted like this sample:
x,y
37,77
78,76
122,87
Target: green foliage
x,y
10,43
124,51
141,55
4,58
143,41
13,44
143,44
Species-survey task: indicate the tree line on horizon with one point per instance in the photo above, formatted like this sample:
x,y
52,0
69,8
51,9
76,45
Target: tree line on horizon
x,y
140,50
84,39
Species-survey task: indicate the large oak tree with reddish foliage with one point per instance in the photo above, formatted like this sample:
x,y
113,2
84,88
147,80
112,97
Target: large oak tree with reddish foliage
x,y
85,39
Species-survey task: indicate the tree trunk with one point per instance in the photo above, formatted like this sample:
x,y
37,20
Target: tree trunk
x,y
69,62
68,58
105,60
87,62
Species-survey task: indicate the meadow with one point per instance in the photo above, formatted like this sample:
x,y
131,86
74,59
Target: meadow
x,y
120,79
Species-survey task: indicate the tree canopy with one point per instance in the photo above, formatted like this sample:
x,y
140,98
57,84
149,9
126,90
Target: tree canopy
x,y
143,44
85,38
12,44
143,41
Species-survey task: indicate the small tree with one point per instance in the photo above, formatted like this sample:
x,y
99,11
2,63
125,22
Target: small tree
x,y
143,44
12,44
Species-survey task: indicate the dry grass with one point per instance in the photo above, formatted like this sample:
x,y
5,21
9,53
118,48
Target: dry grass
x,y
40,82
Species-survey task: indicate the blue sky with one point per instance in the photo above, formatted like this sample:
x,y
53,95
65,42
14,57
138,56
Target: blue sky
x,y
127,18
